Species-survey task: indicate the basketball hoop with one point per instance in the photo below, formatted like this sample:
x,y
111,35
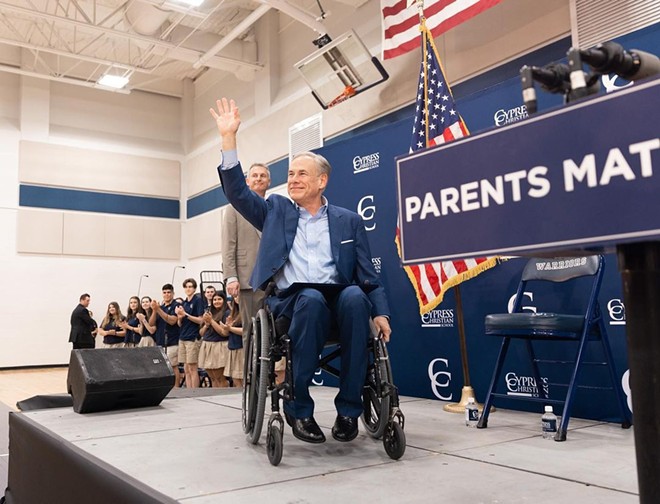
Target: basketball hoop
x,y
343,96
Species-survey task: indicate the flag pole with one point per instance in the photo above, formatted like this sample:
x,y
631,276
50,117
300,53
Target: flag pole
x,y
467,390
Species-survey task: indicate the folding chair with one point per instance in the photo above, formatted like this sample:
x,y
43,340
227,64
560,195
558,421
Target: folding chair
x,y
560,327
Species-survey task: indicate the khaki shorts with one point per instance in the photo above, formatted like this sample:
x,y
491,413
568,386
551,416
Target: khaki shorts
x,y
113,345
234,367
173,356
189,351
146,341
213,354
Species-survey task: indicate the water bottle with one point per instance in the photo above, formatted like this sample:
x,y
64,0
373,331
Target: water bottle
x,y
549,423
471,413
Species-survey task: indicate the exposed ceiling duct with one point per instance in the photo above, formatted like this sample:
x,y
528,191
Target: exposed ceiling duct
x,y
144,18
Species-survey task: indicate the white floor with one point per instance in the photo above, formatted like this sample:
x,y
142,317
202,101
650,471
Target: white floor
x,y
194,450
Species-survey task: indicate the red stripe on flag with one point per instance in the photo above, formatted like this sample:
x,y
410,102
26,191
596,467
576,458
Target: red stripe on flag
x,y
416,271
443,274
407,45
463,128
460,266
414,20
393,10
462,16
432,277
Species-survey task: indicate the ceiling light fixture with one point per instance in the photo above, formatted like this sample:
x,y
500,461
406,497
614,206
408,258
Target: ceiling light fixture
x,y
192,3
113,81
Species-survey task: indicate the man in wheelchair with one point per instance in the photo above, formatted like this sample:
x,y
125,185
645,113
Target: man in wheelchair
x,y
318,256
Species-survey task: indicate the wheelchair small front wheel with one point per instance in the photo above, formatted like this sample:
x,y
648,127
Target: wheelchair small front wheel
x,y
274,444
394,440
376,398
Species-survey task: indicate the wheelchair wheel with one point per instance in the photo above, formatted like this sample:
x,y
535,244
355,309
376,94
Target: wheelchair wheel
x,y
394,440
375,399
274,444
255,388
248,394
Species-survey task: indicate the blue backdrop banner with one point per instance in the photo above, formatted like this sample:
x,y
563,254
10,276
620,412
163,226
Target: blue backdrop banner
x,y
424,350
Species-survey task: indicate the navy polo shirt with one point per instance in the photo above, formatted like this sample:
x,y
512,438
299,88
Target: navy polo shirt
x,y
189,331
132,336
159,334
112,340
212,335
170,331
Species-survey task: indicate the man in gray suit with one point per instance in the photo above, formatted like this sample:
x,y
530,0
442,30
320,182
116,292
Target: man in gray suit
x,y
240,244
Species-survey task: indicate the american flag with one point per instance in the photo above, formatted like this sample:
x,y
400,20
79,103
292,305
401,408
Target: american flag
x,y
437,121
400,19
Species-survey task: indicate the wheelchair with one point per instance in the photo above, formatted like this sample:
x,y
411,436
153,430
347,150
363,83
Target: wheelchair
x,y
268,341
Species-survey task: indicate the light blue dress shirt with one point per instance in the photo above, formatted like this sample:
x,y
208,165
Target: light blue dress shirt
x,y
310,259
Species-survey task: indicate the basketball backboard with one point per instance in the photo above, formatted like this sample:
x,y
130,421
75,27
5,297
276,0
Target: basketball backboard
x,y
341,69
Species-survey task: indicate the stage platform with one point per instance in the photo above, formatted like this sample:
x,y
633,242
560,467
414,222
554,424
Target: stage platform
x,y
193,450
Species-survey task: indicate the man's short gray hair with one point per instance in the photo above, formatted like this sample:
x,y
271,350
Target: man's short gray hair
x,y
321,163
260,165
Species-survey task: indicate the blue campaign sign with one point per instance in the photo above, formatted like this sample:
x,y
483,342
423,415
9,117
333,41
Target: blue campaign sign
x,y
579,177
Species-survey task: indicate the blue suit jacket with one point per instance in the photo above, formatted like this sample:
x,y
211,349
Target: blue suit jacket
x,y
277,219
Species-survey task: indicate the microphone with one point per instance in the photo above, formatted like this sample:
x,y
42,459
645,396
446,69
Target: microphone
x,y
554,78
582,84
610,57
528,91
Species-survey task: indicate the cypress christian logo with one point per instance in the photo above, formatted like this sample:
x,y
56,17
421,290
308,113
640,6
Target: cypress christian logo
x,y
524,385
502,117
617,312
440,380
367,211
438,318
368,162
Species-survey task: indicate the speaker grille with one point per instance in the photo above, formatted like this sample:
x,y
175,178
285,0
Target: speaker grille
x,y
596,21
306,135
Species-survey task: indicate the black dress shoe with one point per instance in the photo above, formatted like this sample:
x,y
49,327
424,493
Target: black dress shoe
x,y
345,428
306,429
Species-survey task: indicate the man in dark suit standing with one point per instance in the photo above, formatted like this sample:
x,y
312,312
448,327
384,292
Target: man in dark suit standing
x,y
305,240
82,325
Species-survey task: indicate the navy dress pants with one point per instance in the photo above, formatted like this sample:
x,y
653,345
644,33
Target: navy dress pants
x,y
314,314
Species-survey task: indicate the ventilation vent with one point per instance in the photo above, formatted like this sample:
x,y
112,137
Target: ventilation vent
x,y
596,21
306,135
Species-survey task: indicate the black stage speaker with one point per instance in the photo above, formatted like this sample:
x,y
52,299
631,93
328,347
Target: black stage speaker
x,y
117,378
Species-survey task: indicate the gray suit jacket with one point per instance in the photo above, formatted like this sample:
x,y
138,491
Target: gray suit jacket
x,y
239,245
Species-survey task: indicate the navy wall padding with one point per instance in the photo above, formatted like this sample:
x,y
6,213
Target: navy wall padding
x,y
92,201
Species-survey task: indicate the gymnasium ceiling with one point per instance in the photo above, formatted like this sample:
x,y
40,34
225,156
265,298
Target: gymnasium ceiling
x,y
157,43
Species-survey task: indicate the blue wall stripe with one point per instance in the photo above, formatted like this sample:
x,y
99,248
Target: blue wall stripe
x,y
205,202
214,198
91,201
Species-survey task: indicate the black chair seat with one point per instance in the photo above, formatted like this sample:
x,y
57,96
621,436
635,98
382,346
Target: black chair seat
x,y
533,325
